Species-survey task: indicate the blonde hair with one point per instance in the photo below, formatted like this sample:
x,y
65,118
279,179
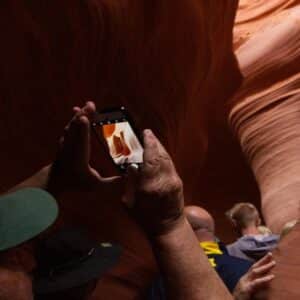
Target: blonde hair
x,y
287,228
242,214
264,230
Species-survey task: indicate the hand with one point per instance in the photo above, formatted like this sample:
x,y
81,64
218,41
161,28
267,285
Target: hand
x,y
71,168
255,279
156,191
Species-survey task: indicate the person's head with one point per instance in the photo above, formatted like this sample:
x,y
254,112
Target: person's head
x,y
201,222
69,264
24,215
287,228
244,216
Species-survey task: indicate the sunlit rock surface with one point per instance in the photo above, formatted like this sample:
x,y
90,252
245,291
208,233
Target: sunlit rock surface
x,y
253,15
265,116
265,113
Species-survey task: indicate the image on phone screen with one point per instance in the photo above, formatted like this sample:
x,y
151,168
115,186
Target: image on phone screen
x,y
123,145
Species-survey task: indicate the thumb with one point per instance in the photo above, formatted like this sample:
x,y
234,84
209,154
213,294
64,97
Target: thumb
x,y
113,179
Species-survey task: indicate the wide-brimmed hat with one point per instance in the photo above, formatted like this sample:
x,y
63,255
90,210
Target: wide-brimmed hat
x,y
24,215
69,259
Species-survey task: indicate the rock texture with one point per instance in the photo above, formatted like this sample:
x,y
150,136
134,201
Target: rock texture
x,y
164,60
171,63
265,116
253,15
265,112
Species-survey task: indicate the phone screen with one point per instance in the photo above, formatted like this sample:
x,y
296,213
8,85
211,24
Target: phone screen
x,y
123,145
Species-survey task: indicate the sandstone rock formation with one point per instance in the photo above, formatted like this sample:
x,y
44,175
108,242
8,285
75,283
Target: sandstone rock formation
x,y
265,112
171,63
265,116
164,60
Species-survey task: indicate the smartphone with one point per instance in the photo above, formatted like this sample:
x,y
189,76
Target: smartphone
x,y
115,130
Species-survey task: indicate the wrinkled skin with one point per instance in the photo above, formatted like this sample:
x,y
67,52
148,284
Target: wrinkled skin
x,y
157,199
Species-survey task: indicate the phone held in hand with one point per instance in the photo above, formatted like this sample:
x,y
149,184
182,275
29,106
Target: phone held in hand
x,y
115,130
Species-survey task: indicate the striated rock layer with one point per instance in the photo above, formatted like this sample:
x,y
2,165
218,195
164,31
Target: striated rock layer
x,y
164,60
254,15
265,113
265,116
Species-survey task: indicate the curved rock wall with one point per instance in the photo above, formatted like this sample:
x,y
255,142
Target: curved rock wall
x,y
253,15
164,60
265,113
265,116
172,64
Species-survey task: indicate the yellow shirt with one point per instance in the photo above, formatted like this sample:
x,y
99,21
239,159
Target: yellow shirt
x,y
211,248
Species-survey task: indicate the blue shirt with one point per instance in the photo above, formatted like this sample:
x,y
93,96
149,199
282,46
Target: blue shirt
x,y
253,247
229,268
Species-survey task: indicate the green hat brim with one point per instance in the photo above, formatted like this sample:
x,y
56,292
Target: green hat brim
x,y
24,215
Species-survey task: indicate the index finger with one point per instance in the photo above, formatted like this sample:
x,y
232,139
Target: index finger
x,y
266,259
155,155
89,108
258,271
151,147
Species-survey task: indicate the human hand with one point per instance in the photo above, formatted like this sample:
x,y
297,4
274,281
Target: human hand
x,y
71,168
155,191
255,279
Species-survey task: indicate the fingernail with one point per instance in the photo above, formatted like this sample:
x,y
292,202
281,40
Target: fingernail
x,y
134,166
148,133
83,119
